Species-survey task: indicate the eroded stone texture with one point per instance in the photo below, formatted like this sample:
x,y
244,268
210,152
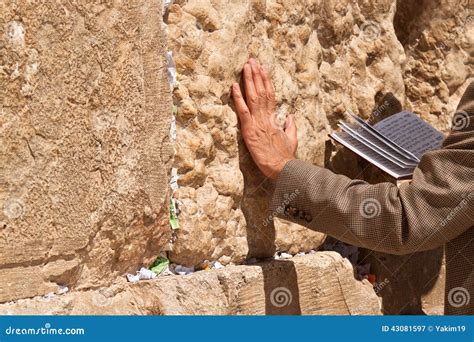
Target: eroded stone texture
x,y
84,125
325,57
322,283
316,55
438,37
84,121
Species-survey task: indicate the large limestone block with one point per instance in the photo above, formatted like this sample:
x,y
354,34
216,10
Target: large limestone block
x,y
84,125
325,57
438,37
316,52
317,284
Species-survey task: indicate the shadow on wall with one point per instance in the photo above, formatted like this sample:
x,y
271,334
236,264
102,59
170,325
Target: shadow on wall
x,y
261,233
407,16
415,282
410,281
410,278
257,193
280,283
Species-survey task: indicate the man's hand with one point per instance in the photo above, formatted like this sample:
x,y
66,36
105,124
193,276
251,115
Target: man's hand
x,y
271,147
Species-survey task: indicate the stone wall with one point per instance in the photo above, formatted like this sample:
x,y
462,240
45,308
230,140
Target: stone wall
x,y
318,284
85,116
325,57
85,149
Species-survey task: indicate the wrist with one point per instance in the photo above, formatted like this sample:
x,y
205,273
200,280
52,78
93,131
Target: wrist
x,y
279,168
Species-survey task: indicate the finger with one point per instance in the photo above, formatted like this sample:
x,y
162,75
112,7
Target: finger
x,y
269,89
250,92
258,81
290,130
240,105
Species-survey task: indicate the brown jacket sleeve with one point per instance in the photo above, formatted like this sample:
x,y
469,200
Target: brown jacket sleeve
x,y
435,207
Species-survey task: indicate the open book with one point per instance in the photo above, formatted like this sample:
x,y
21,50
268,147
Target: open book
x,y
394,144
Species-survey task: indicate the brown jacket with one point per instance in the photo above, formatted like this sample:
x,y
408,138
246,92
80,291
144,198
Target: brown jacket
x,y
434,209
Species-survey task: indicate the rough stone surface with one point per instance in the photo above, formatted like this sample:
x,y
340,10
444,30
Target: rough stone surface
x,y
325,57
86,153
322,283
84,125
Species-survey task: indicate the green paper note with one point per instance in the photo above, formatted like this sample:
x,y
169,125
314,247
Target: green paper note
x,y
159,265
173,218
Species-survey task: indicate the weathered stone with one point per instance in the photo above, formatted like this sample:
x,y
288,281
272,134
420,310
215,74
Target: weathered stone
x,y
85,155
85,151
322,283
325,57
440,51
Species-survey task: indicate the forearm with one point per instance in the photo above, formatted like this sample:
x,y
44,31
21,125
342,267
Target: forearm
x,y
380,217
435,207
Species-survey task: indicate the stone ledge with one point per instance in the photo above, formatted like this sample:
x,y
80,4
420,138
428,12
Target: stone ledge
x,y
317,284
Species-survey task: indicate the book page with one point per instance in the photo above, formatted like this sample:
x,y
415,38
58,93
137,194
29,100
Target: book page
x,y
377,145
410,132
392,145
386,141
372,156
